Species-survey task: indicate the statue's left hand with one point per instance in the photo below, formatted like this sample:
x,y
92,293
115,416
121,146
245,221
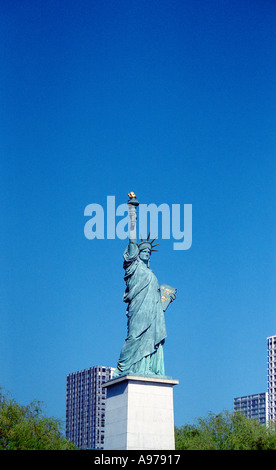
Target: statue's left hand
x,y
173,295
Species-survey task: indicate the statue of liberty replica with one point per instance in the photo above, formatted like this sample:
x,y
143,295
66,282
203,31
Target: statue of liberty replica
x,y
142,353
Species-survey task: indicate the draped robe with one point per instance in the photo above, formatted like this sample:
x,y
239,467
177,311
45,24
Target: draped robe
x,y
142,352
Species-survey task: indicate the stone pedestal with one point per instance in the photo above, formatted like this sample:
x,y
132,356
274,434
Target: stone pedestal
x,y
139,414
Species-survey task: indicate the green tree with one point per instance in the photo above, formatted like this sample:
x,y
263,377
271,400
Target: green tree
x,y
26,428
225,431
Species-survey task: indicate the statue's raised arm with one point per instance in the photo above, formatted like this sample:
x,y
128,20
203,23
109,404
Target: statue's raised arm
x,y
132,204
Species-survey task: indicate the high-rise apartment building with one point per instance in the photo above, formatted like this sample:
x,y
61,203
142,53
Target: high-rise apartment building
x,y
253,406
271,377
85,406
262,406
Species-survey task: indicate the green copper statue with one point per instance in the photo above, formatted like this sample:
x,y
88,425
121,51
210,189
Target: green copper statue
x,y
142,352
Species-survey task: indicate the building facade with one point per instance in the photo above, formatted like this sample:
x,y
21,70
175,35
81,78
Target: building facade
x,y
85,406
253,406
271,377
262,406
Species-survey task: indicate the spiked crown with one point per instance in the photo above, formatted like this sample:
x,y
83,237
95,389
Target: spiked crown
x,y
147,244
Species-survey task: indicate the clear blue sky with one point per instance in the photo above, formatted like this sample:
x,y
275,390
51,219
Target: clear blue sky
x,y
176,101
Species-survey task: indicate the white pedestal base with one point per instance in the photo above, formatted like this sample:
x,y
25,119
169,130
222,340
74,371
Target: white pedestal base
x,y
139,414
